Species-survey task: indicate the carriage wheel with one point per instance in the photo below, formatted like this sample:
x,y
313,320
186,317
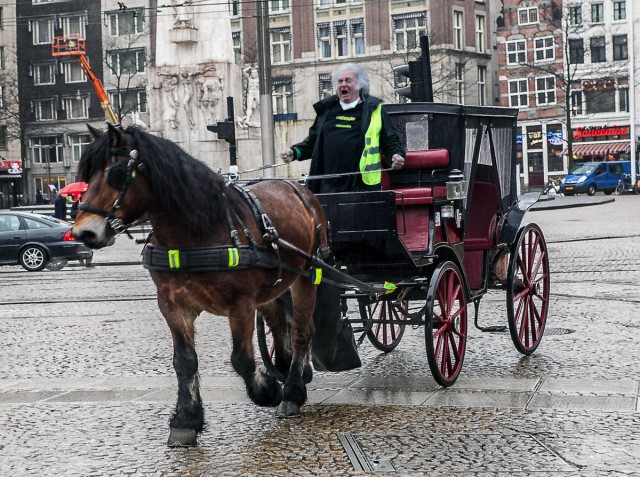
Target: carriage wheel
x,y
528,289
446,323
388,328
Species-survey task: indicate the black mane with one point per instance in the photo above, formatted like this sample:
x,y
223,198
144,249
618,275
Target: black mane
x,y
183,185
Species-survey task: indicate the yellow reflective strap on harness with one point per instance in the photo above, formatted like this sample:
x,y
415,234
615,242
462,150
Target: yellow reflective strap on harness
x,y
174,258
234,257
316,278
389,287
370,161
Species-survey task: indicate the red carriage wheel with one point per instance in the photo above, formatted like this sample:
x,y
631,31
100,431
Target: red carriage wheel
x,y
446,323
528,289
388,325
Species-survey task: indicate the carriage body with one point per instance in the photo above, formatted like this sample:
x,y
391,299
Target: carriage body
x,y
445,228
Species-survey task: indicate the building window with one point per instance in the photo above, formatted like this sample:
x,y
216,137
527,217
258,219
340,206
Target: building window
x,y
325,86
280,45
544,48
73,72
237,47
234,8
576,103
620,10
1,57
598,50
458,30
597,13
1,17
276,6
127,22
44,109
79,143
482,85
282,96
480,35
545,91
128,62
2,97
518,93
516,52
620,47
576,51
407,30
357,36
624,99
74,25
42,31
575,15
129,101
342,40
47,149
600,101
3,137
44,73
77,107
324,40
459,83
527,16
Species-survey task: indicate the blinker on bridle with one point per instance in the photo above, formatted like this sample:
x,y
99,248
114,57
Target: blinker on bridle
x,y
119,177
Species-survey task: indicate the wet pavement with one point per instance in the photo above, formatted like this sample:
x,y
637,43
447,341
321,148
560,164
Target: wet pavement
x,y
87,386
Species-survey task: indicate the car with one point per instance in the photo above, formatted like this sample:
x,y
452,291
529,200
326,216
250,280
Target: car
x,y
36,241
591,177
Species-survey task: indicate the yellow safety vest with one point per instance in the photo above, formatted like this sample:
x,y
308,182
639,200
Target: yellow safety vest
x,y
370,162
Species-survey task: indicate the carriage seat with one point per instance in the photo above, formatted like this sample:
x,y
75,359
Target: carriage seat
x,y
480,230
423,159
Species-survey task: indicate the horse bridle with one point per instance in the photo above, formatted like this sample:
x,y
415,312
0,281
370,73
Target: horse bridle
x,y
120,179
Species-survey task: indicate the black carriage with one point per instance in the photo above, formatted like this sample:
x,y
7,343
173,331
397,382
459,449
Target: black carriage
x,y
445,229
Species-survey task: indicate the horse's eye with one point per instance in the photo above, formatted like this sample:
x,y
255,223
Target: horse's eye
x,y
117,175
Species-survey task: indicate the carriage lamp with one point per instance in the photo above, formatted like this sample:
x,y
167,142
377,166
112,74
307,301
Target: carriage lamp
x,y
456,186
447,212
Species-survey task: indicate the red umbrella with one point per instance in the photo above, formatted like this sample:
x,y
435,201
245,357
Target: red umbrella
x,y
74,189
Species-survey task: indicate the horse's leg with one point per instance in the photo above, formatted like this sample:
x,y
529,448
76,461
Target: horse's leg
x,y
295,391
278,315
188,417
263,389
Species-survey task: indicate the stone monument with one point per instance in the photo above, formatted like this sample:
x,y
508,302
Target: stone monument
x,y
194,72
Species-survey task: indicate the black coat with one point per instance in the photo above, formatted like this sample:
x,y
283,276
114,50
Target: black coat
x,y
60,207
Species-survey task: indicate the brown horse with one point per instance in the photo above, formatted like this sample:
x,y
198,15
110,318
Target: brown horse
x,y
196,216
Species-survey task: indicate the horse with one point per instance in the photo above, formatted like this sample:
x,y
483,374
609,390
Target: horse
x,y
204,228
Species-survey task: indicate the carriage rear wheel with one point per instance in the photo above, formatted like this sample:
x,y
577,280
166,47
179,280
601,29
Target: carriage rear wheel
x,y
387,318
446,323
528,289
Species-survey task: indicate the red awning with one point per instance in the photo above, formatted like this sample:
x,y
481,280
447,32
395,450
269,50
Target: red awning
x,y
599,148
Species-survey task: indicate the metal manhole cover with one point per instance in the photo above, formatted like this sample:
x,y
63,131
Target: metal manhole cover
x,y
440,452
558,331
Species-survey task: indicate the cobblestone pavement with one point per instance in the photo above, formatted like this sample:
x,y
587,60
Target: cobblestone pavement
x,y
86,383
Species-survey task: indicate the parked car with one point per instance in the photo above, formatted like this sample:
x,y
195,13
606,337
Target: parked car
x,y
35,242
591,177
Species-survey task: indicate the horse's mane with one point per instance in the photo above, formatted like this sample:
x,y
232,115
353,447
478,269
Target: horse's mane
x,y
183,185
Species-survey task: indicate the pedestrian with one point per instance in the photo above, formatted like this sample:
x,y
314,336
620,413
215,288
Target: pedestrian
x,y
60,207
39,197
345,141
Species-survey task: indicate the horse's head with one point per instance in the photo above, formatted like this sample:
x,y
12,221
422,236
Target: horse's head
x,y
117,193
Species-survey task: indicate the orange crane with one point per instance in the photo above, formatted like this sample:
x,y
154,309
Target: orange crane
x,y
74,45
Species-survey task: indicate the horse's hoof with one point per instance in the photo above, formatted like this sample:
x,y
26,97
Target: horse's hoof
x,y
182,437
287,409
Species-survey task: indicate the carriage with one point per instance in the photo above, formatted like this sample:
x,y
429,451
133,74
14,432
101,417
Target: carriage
x,y
444,230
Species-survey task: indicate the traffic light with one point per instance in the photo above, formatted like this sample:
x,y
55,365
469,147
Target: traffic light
x,y
413,72
224,129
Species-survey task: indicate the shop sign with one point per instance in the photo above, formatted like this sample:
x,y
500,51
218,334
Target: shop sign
x,y
534,137
554,138
600,131
11,167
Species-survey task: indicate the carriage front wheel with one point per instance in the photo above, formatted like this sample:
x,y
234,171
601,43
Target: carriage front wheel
x,y
446,323
386,319
528,289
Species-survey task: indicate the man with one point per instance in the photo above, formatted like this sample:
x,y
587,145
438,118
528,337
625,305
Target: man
x,y
345,142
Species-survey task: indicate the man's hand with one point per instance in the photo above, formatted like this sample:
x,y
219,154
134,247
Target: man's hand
x,y
287,155
397,161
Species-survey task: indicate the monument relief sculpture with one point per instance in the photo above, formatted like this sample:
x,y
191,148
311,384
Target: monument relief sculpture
x,y
252,99
171,100
211,93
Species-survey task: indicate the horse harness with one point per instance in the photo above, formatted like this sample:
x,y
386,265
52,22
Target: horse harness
x,y
215,258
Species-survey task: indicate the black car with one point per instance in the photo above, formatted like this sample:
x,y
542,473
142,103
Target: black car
x,y
36,241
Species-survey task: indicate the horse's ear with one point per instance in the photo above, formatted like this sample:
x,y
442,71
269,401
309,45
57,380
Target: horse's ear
x,y
115,135
96,133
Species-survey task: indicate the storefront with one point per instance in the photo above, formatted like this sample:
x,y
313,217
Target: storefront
x,y
10,183
539,150
601,143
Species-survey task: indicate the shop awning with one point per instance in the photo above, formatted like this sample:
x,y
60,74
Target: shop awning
x,y
599,148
